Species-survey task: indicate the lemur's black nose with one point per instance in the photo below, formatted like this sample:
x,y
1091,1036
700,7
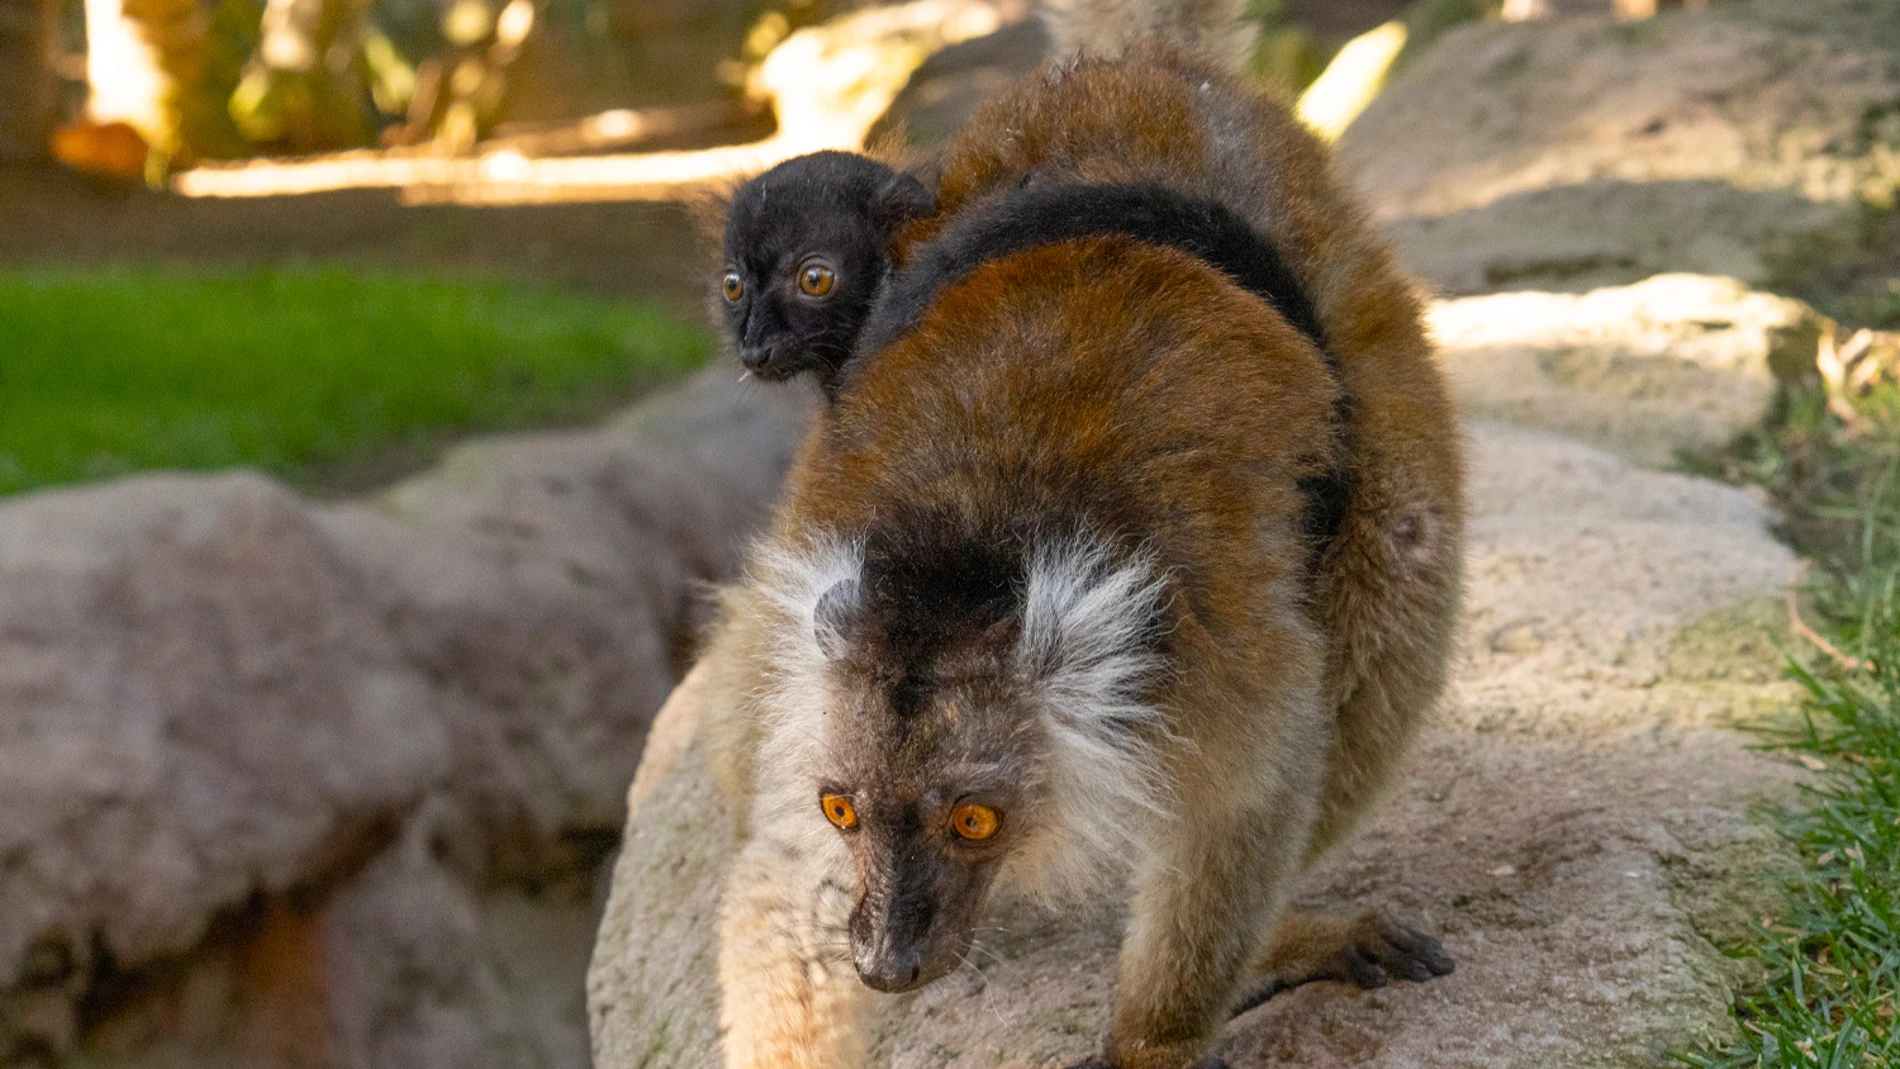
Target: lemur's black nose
x,y
889,972
757,357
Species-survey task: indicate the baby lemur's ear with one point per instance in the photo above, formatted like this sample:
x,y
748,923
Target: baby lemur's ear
x,y
834,616
903,198
710,206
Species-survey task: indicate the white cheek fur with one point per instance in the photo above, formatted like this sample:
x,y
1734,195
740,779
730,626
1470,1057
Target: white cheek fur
x,y
1086,655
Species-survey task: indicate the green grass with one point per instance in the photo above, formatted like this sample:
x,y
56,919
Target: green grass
x,y
1830,960
324,376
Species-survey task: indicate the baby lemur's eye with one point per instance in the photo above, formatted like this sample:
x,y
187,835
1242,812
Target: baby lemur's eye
x,y
975,822
815,278
840,811
734,286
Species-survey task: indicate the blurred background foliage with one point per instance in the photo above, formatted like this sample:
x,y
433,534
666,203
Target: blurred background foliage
x,y
247,77
276,76
322,374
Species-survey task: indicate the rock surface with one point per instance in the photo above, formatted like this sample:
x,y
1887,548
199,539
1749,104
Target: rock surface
x,y
284,784
1673,365
1583,152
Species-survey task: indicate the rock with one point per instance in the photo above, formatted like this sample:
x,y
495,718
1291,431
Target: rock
x,y
164,641
1574,826
284,784
1582,152
652,989
943,93
1678,364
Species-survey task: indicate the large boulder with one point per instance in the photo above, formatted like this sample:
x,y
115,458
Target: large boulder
x,y
284,784
1740,140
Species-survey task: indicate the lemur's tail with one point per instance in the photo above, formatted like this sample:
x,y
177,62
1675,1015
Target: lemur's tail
x,y
1212,30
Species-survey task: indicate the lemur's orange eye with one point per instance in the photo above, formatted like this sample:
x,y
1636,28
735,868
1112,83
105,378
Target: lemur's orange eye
x,y
840,811
734,286
815,279
975,822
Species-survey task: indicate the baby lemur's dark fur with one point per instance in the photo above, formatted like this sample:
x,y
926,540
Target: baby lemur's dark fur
x,y
807,245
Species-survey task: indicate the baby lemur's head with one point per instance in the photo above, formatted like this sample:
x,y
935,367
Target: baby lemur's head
x,y
964,710
807,245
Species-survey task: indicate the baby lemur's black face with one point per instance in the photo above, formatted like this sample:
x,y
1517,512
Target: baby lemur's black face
x,y
807,246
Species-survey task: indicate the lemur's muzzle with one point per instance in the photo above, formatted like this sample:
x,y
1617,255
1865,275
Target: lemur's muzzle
x,y
913,923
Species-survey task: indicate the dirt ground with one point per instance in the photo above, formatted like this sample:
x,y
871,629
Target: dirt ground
x,y
48,215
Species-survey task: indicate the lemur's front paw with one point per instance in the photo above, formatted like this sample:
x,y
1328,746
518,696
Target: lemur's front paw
x,y
1367,950
1386,948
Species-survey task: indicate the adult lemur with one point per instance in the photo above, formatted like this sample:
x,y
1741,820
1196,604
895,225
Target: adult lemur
x,y
1125,561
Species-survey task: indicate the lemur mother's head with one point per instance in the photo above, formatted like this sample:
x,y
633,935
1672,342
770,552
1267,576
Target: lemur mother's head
x,y
967,705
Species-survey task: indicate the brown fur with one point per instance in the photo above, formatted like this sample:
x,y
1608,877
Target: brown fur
x,y
1392,592
1135,390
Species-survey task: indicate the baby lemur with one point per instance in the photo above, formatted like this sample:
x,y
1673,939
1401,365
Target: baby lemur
x,y
807,244
1125,562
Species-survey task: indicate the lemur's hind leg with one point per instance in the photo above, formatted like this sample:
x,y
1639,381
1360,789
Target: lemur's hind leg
x,y
1368,949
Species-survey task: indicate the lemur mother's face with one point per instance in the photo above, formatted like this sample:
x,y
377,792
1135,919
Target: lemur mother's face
x,y
930,789
969,706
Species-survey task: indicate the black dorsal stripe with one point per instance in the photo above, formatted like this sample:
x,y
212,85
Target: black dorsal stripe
x,y
1037,216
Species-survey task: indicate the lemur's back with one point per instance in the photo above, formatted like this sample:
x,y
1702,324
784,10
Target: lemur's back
x,y
1393,585
1129,391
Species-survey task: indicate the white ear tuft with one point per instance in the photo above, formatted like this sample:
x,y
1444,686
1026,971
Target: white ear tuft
x,y
1088,649
810,589
796,579
833,615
